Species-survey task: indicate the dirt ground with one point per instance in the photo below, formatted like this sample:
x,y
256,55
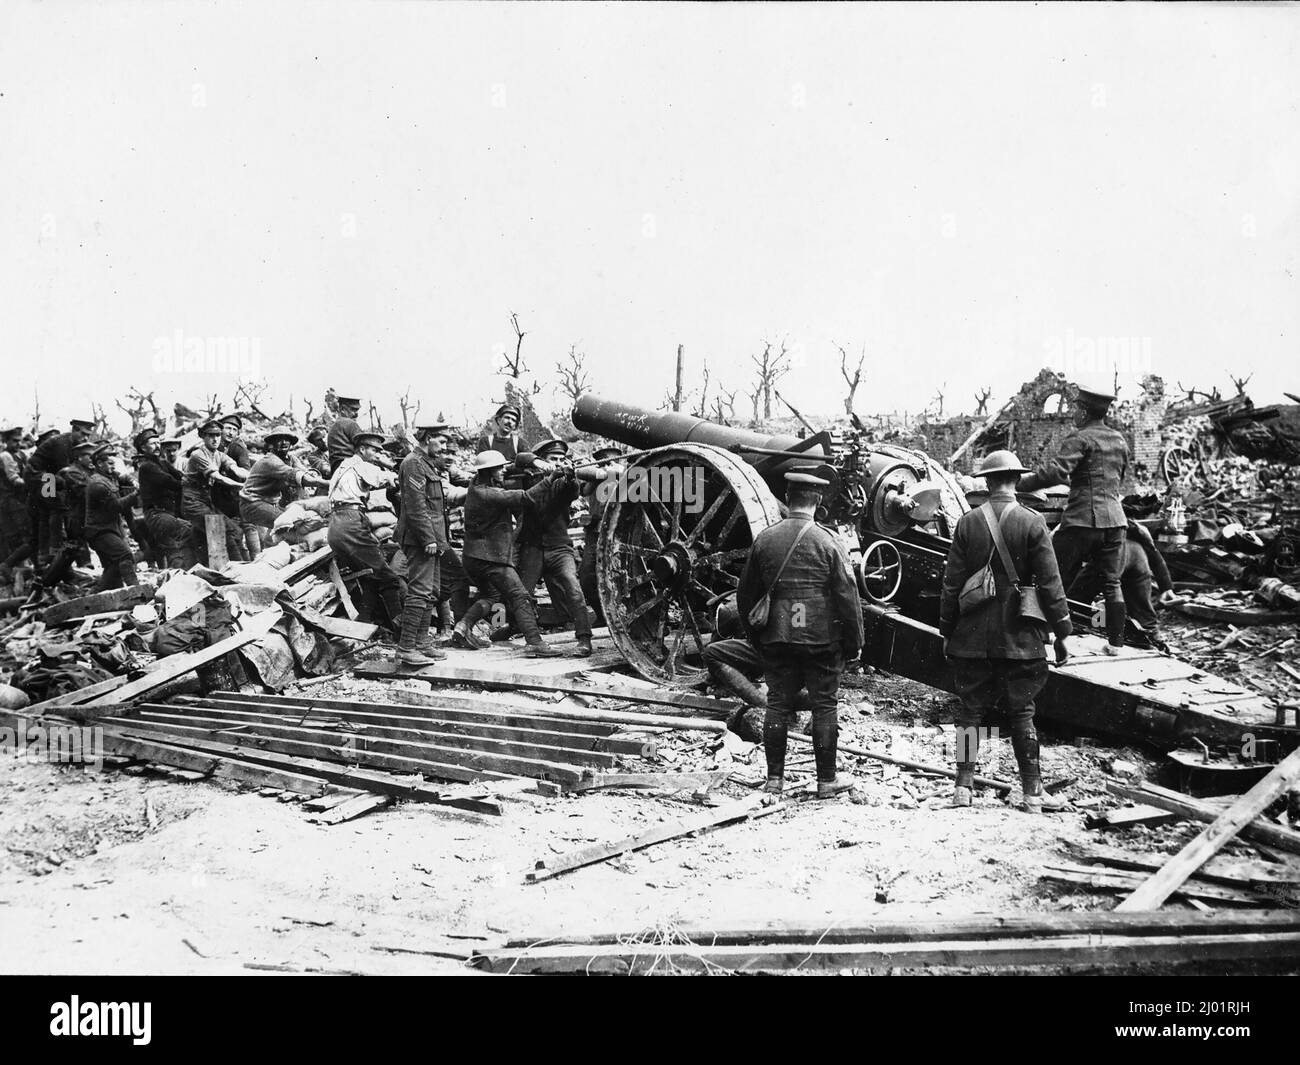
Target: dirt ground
x,y
132,872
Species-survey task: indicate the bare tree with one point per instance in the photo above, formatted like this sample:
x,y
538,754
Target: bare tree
x,y
852,380
515,367
701,409
311,412
724,405
213,405
938,398
678,395
408,415
574,380
36,409
1190,394
376,423
982,402
1240,383
143,411
100,419
770,367
248,394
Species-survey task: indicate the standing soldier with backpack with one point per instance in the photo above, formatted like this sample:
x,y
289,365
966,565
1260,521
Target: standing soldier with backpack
x,y
997,655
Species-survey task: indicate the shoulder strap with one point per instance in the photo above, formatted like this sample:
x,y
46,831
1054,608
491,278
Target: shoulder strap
x,y
995,530
808,525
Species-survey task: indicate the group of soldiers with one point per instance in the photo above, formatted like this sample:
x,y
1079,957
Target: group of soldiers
x,y
797,620
66,495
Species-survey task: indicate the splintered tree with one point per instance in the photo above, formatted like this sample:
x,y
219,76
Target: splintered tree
x,y
938,399
701,408
248,394
36,409
854,379
769,366
101,421
724,405
513,367
409,413
982,402
143,411
574,379
1240,383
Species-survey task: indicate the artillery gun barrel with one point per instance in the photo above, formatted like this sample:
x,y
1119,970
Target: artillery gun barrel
x,y
645,429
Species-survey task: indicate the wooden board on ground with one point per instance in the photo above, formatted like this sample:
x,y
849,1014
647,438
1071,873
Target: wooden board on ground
x,y
214,526
512,658
1240,814
177,665
1199,810
651,956
300,567
345,600
449,673
1128,816
99,603
744,809
349,630
81,695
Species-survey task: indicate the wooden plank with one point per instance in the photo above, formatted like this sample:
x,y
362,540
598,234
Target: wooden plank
x,y
1183,864
214,527
485,679
1128,816
301,567
354,807
661,781
345,600
178,665
1196,810
744,809
374,751
1066,952
980,927
440,706
1238,872
81,695
178,752
331,626
444,673
99,603
631,746
1118,880
404,740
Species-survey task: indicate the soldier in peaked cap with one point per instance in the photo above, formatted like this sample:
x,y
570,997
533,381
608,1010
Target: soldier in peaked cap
x,y
53,454
998,657
1093,460
15,522
160,499
105,531
208,466
503,436
341,441
813,625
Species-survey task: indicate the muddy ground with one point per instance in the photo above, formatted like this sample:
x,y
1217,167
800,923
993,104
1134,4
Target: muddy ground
x,y
132,871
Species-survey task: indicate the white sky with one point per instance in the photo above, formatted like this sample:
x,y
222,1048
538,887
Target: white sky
x,y
369,190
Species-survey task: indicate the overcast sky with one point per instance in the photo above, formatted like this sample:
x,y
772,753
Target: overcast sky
x,y
363,193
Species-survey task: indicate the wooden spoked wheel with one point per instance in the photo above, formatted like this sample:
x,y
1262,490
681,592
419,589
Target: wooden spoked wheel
x,y
676,531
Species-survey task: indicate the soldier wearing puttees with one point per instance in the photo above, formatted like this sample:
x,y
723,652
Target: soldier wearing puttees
x,y
350,535
272,478
998,657
160,498
422,532
1143,564
544,549
106,504
1093,460
207,466
814,625
489,530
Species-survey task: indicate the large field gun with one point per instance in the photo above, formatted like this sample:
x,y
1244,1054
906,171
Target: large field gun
x,y
677,531
679,524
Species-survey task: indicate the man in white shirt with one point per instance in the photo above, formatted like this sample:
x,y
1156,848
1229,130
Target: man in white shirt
x,y
350,535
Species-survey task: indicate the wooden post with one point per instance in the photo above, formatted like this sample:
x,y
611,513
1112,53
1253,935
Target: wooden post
x,y
681,365
215,526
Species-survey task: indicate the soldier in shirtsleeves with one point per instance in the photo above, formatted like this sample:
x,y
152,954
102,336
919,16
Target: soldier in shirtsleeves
x,y
997,657
814,625
272,478
350,535
1093,461
207,467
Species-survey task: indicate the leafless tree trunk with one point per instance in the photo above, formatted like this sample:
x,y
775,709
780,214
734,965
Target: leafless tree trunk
x,y
681,361
938,398
770,367
724,405
249,394
701,408
852,380
408,415
982,402
574,380
1240,383
375,423
36,410
515,367
143,411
